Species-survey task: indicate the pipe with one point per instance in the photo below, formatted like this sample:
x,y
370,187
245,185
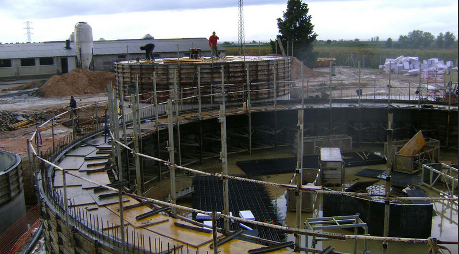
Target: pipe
x,y
35,239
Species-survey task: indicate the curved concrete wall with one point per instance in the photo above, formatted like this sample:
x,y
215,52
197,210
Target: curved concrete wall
x,y
12,205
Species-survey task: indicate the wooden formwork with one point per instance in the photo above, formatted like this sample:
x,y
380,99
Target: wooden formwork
x,y
263,74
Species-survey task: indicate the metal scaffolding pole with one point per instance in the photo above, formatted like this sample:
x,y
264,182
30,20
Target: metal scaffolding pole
x,y
111,115
177,118
360,89
200,116
123,245
275,109
224,155
302,86
117,151
139,132
299,176
170,148
388,177
123,119
249,111
155,98
136,144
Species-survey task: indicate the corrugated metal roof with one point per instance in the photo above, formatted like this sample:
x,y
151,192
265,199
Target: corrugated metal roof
x,y
32,50
57,48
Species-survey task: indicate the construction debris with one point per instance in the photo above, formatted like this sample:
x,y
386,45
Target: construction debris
x,y
11,120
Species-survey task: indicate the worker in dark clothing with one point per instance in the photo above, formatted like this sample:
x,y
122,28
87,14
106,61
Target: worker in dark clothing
x,y
148,50
73,106
213,44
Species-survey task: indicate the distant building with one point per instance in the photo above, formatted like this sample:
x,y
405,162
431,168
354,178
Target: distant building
x,y
45,59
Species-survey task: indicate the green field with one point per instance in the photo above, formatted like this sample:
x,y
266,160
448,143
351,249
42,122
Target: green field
x,y
370,54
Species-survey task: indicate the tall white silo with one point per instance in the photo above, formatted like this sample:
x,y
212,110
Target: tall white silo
x,y
83,44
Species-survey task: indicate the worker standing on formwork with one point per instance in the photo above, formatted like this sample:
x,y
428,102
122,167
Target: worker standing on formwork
x,y
213,44
148,51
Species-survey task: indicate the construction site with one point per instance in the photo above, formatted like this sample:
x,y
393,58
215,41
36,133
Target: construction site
x,y
240,154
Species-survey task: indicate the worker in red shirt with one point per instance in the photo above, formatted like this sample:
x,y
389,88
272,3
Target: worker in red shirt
x,y
213,44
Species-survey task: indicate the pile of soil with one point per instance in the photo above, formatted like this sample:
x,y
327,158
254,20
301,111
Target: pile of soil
x,y
77,82
296,70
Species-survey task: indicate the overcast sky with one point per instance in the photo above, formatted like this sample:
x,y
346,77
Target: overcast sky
x,y
54,20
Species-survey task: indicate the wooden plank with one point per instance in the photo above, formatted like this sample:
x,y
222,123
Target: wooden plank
x,y
71,162
78,196
156,240
104,215
131,214
69,179
106,201
186,236
414,145
82,151
95,164
99,177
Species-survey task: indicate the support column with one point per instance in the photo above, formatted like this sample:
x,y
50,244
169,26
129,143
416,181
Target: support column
x,y
249,110
136,145
139,160
170,148
299,176
176,98
275,109
155,98
224,155
200,116
388,178
123,245
123,121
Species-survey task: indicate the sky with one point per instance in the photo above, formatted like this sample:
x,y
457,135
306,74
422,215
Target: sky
x,y
54,20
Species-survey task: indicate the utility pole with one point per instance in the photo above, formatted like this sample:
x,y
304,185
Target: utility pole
x,y
241,35
29,39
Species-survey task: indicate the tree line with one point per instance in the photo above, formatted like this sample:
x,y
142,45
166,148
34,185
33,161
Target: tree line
x,y
420,39
297,36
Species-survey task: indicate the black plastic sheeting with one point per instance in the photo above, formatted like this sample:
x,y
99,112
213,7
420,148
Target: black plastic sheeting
x,y
208,196
288,165
406,220
397,178
352,159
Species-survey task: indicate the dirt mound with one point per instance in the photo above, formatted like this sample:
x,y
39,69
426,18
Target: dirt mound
x,y
77,82
296,70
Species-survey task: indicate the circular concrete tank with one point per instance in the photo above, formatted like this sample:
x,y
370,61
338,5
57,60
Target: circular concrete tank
x,y
12,205
83,44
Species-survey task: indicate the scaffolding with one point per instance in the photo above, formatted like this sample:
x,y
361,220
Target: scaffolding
x,y
336,222
435,172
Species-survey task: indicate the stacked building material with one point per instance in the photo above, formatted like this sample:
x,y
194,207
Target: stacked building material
x,y
410,65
